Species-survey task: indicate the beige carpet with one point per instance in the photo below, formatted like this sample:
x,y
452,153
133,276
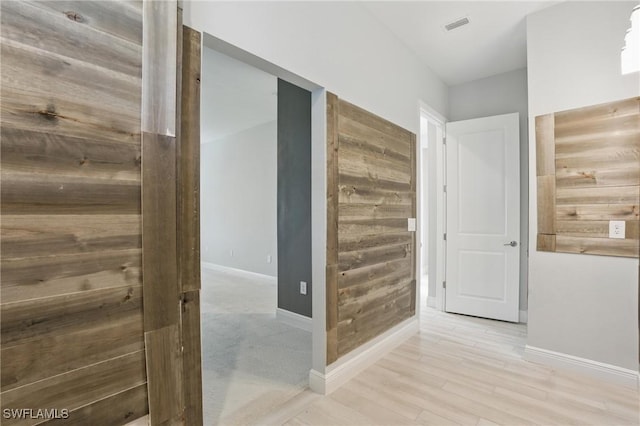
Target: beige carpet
x,y
251,362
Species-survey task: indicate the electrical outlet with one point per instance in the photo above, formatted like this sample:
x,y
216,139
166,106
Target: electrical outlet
x,y
616,229
268,258
303,287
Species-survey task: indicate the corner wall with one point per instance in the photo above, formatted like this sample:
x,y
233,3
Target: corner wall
x,y
238,199
580,305
500,94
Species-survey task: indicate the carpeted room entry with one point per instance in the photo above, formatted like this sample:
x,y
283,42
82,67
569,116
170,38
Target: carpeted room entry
x,y
251,362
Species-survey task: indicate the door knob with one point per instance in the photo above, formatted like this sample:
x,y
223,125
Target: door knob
x,y
512,244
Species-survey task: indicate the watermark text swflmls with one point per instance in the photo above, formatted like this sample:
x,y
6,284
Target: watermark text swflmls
x,y
35,413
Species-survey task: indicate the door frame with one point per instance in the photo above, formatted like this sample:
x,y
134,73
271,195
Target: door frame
x,y
318,189
436,203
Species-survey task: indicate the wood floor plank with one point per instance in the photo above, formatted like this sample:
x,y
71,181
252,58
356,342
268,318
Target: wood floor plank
x,y
469,371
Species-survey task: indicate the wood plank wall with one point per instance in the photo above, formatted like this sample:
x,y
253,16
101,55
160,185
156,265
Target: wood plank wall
x,y
71,294
588,171
371,179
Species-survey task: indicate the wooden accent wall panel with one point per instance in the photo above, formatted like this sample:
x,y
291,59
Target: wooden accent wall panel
x,y
189,224
71,293
370,253
588,171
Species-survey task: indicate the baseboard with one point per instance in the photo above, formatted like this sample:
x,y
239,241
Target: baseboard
x,y
431,302
294,320
356,361
523,317
600,370
241,272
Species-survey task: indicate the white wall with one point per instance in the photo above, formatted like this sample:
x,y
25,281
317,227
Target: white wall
x,y
586,306
501,94
339,46
238,200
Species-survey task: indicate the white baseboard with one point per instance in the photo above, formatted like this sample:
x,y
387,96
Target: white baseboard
x,y
600,370
356,361
431,301
523,317
240,272
294,320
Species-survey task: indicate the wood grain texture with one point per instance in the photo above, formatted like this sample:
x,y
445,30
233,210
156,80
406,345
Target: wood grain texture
x,y
332,228
189,164
114,410
461,370
371,260
188,226
79,387
604,246
191,358
71,292
545,149
596,178
27,235
164,371
48,336
546,242
546,204
159,231
594,228
159,72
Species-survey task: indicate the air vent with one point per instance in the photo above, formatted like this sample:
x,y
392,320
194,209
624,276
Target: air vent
x,y
456,24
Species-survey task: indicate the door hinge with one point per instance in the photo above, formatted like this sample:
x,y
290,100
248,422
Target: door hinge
x,y
445,236
444,284
444,141
444,188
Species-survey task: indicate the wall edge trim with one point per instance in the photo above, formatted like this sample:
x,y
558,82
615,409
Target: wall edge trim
x,y
596,369
294,320
366,355
235,271
523,316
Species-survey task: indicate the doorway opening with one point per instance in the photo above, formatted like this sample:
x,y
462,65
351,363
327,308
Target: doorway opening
x,y
256,321
432,204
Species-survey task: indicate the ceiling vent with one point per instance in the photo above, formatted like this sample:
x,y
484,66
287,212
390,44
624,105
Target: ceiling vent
x,y
456,24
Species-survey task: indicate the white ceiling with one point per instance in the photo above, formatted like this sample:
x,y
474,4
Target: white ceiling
x,y
237,96
234,96
492,43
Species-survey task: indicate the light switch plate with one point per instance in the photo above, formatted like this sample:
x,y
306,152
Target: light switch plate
x,y
411,224
616,229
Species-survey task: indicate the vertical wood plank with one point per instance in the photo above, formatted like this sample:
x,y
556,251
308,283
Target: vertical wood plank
x,y
162,293
159,52
160,279
189,223
545,145
413,249
332,228
164,375
546,204
546,242
191,361
189,165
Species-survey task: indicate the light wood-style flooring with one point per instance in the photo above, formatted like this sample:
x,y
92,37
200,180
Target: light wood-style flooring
x,y
464,371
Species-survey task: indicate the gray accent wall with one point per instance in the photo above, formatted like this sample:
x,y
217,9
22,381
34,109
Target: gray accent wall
x,y
294,197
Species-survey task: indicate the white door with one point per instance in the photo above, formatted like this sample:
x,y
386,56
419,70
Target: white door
x,y
483,217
